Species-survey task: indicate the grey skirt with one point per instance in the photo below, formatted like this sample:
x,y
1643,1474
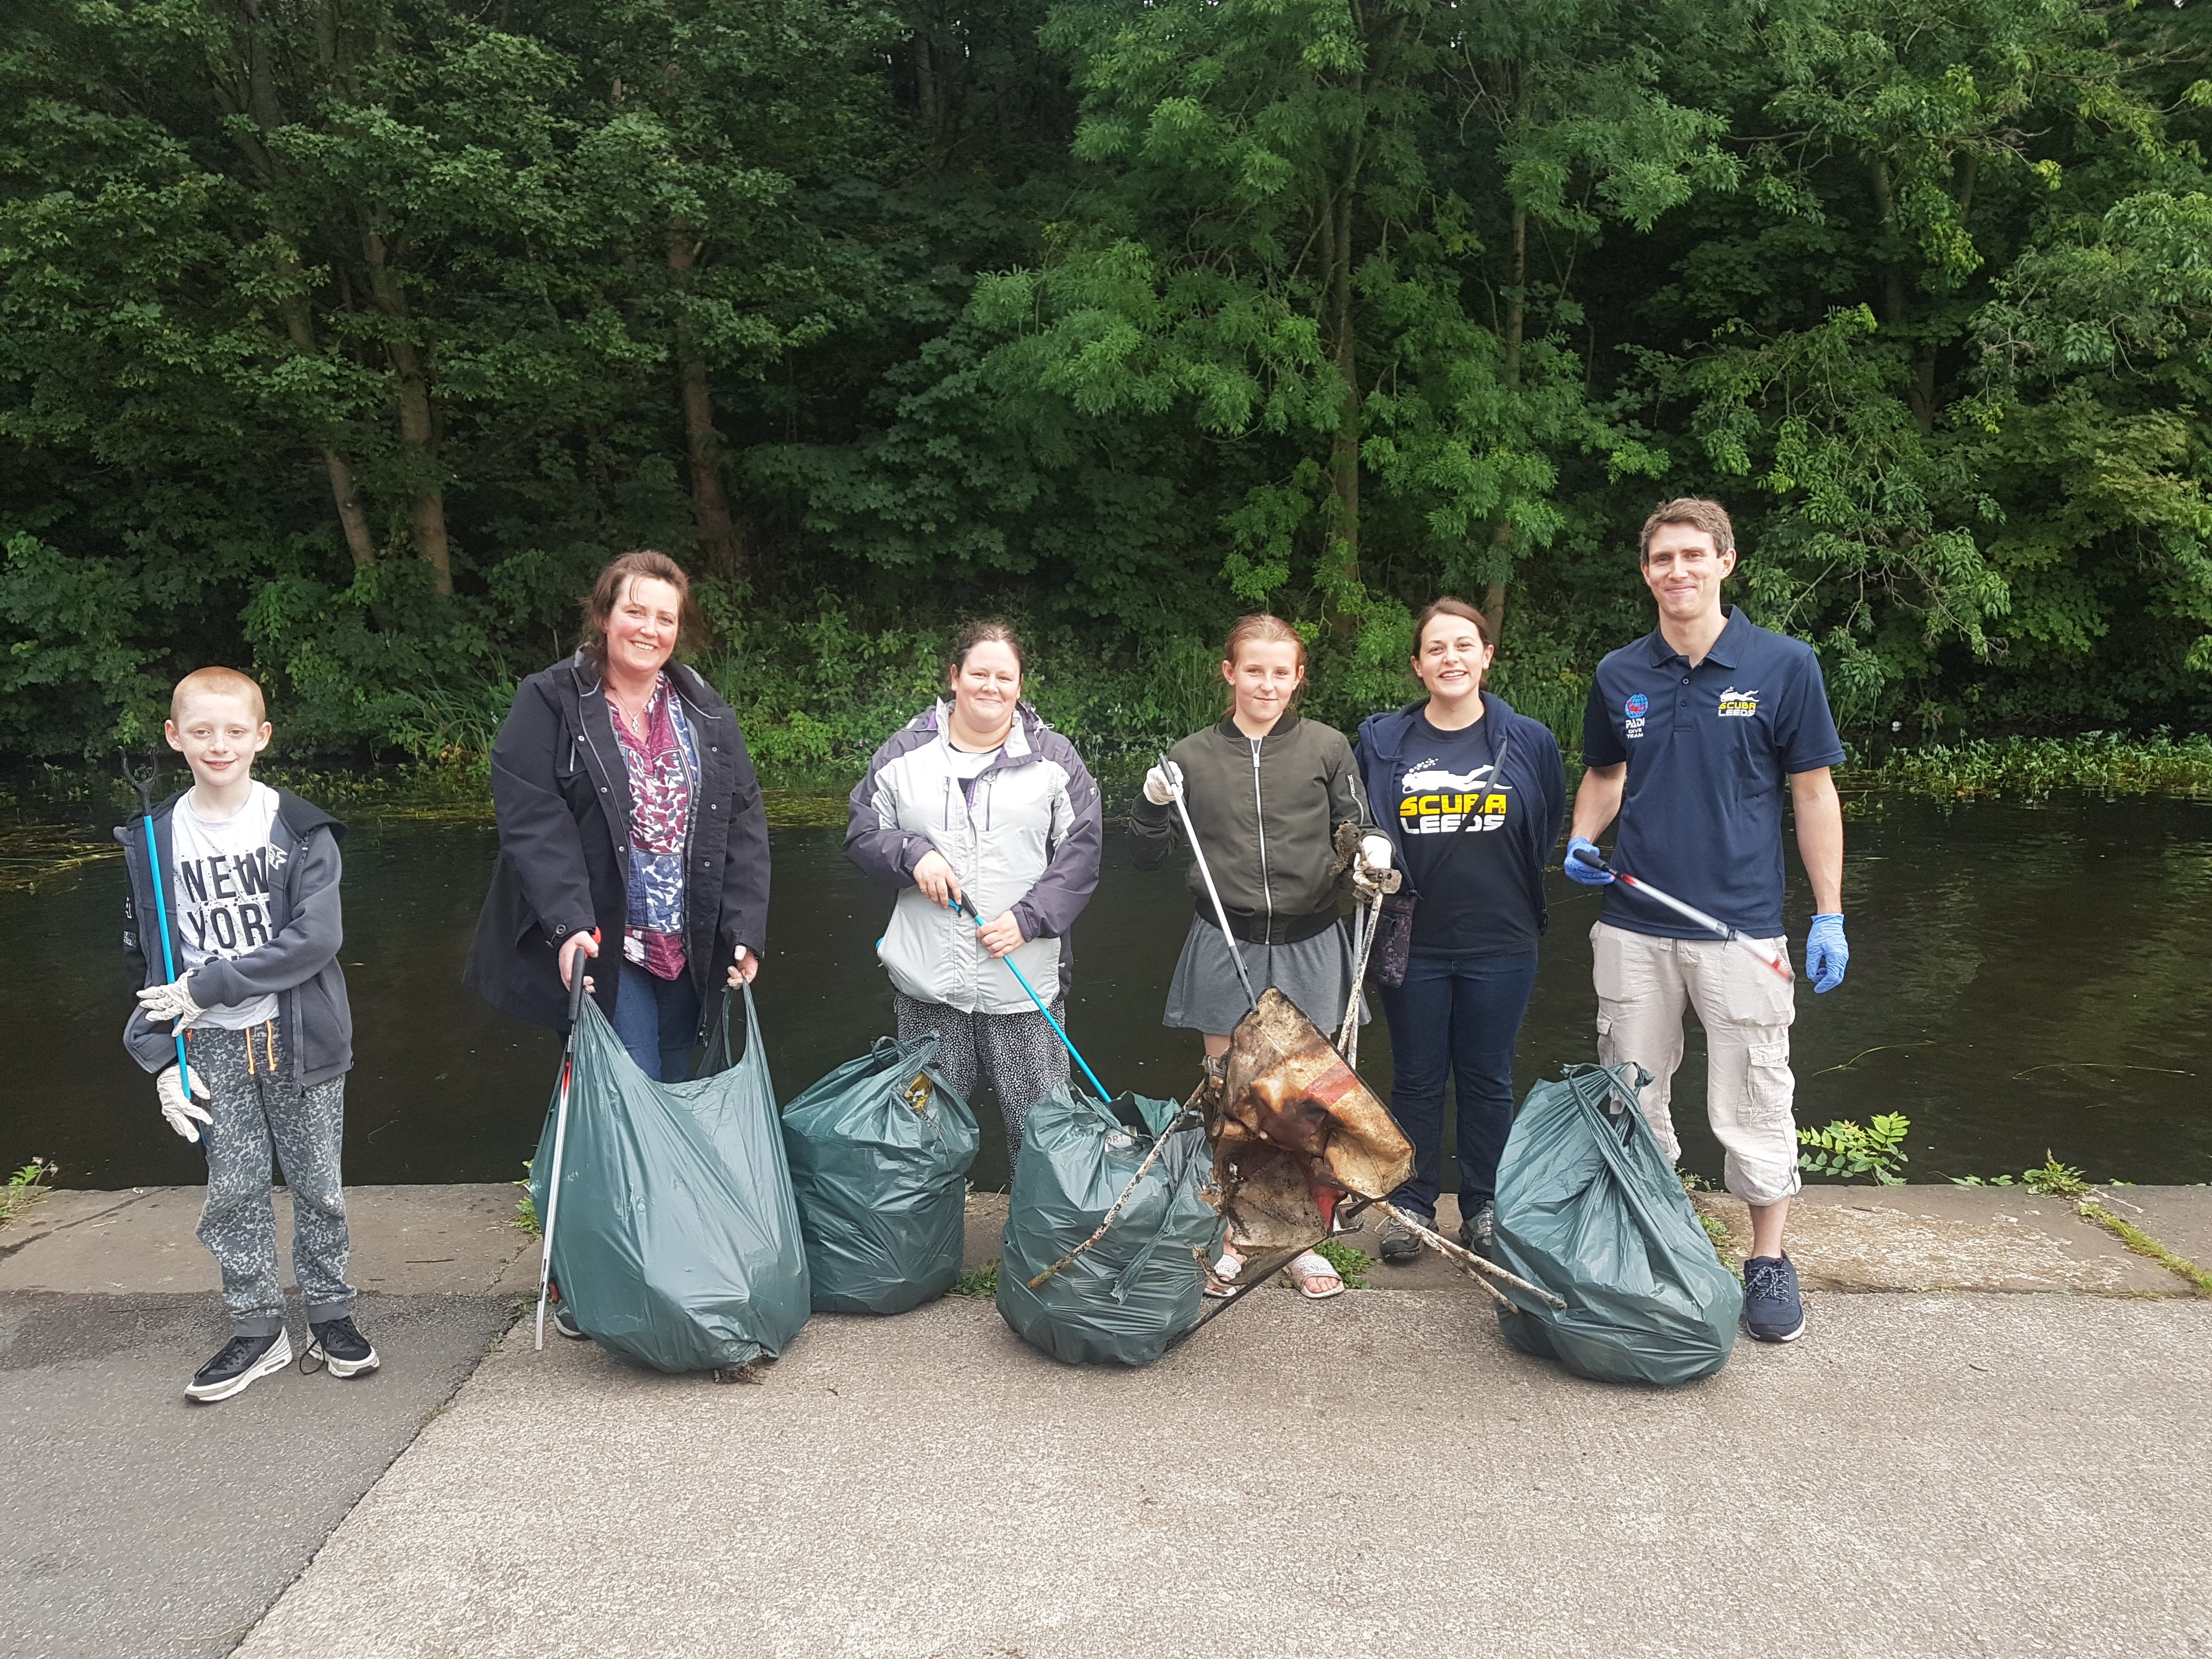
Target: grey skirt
x,y
1205,995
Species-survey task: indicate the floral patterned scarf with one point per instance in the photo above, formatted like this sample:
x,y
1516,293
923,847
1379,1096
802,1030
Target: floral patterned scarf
x,y
664,771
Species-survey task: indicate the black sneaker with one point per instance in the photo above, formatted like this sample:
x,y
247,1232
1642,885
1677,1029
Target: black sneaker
x,y
1475,1231
1399,1244
243,1359
565,1323
339,1348
1772,1309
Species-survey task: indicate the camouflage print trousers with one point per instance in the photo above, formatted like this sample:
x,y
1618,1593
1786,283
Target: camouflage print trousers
x,y
257,1111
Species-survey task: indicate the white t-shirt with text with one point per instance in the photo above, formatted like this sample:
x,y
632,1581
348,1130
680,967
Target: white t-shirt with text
x,y
219,879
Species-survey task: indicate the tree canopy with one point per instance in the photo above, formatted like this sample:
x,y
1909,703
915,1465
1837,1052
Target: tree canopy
x,y
343,339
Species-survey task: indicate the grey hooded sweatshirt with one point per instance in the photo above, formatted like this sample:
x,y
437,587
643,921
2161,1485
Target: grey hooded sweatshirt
x,y
299,964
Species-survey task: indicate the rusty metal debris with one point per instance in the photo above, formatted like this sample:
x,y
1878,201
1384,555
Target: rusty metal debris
x,y
1301,1143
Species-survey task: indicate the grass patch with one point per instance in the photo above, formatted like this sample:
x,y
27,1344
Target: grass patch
x,y
2143,1244
981,1281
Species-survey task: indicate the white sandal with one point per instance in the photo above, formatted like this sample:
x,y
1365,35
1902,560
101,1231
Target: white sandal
x,y
1221,1277
1308,1270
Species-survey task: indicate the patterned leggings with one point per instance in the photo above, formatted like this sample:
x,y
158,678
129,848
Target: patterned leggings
x,y
1023,1059
255,1111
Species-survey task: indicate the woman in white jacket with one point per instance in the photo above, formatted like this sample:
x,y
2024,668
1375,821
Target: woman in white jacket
x,y
977,799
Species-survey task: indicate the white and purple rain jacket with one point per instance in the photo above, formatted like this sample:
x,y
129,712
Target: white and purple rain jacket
x,y
1022,835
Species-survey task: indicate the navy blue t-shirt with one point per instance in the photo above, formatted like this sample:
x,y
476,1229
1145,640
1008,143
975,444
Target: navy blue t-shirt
x,y
1709,753
1480,895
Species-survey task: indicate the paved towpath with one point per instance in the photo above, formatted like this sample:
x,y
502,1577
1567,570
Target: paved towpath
x,y
2015,1461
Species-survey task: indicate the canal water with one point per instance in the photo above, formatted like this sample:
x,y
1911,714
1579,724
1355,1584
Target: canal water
x,y
2025,979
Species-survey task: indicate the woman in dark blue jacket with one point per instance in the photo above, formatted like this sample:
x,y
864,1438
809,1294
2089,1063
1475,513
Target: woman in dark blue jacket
x,y
1472,796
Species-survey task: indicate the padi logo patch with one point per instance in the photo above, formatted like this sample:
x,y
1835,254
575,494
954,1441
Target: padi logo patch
x,y
1740,704
1636,707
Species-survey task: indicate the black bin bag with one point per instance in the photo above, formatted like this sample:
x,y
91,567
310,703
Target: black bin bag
x,y
1588,1207
1132,1294
675,1243
879,1153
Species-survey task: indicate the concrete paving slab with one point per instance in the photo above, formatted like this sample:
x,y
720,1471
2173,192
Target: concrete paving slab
x,y
432,1240
139,1523
1940,1238
1953,1474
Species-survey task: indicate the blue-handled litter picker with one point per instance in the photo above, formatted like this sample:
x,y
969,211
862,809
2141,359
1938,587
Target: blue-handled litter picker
x,y
142,780
964,903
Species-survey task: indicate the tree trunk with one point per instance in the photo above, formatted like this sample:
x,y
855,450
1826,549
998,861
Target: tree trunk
x,y
719,545
352,519
1344,456
426,506
1920,389
925,86
1516,322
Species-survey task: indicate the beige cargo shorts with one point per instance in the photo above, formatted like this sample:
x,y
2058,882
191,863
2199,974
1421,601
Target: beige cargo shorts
x,y
1644,984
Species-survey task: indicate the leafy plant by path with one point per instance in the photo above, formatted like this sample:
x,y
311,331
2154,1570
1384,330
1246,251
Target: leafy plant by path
x,y
526,1207
982,1281
1848,1152
1351,1264
23,1182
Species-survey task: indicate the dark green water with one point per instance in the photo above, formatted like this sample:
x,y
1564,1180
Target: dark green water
x,y
2023,978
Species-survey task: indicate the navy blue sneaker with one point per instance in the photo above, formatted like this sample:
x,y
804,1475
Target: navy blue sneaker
x,y
1772,1309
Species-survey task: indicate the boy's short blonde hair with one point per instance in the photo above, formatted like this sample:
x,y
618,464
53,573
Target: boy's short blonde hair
x,y
218,683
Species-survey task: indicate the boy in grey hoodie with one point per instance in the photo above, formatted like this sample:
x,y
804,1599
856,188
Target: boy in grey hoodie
x,y
249,889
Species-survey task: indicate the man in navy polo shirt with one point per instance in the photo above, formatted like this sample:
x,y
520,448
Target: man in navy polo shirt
x,y
1690,736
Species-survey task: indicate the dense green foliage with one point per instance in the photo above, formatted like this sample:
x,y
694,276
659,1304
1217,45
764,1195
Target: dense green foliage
x,y
345,338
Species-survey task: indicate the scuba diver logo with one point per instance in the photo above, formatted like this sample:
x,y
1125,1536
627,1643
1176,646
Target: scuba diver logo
x,y
1740,705
1636,708
1477,796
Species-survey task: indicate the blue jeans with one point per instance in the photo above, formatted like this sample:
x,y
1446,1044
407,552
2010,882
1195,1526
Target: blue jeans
x,y
657,1021
1456,1017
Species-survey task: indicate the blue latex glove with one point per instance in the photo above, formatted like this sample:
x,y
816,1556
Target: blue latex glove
x,y
1589,874
1826,956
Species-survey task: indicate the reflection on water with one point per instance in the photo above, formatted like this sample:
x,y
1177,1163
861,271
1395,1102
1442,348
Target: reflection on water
x,y
2022,978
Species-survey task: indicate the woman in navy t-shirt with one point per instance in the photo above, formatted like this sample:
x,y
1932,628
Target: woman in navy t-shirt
x,y
1473,796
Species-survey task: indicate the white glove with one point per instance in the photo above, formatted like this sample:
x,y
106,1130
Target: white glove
x,y
168,1002
1375,852
177,1103
1164,783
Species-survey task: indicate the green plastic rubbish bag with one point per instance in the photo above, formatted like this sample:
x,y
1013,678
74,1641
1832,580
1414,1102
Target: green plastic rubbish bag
x,y
1129,1296
1589,1207
879,1153
677,1242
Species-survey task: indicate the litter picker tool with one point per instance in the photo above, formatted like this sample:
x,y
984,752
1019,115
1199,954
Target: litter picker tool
x,y
1172,773
576,994
142,780
1774,963
964,903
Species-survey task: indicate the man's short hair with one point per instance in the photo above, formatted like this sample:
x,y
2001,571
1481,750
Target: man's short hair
x,y
1696,512
220,683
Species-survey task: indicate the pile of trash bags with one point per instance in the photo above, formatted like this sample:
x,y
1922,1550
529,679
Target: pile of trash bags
x,y
1591,1208
1127,1299
879,1151
677,1243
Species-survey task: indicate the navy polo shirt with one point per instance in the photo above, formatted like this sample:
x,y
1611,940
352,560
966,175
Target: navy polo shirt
x,y
1709,753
